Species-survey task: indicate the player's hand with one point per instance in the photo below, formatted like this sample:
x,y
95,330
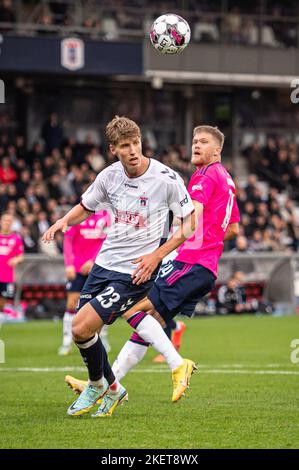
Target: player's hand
x,y
60,224
70,273
146,267
13,262
86,268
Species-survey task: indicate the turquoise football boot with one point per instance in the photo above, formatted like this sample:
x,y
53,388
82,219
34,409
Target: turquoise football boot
x,y
87,399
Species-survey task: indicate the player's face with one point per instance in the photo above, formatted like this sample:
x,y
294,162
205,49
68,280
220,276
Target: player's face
x,y
129,152
6,223
205,149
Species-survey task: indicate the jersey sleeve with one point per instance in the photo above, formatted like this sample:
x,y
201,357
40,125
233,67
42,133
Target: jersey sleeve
x,y
179,200
68,246
235,217
95,196
19,248
201,188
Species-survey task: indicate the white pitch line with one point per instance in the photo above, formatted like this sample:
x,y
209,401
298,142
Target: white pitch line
x,y
158,368
154,370
43,369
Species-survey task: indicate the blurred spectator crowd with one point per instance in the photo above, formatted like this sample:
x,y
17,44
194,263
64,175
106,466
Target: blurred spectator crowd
x,y
39,185
111,19
269,218
277,163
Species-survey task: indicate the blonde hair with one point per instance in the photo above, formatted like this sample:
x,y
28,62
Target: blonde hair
x,y
214,131
121,127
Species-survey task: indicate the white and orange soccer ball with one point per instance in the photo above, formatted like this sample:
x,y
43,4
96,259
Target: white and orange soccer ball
x,y
170,34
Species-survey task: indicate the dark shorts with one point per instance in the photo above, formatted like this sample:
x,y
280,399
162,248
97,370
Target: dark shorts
x,y
178,288
7,290
77,284
111,293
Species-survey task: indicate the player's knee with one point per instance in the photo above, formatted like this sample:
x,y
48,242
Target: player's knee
x,y
78,331
157,317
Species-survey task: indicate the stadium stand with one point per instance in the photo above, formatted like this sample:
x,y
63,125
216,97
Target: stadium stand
x,y
237,22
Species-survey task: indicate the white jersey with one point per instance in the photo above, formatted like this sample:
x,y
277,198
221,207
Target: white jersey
x,y
140,209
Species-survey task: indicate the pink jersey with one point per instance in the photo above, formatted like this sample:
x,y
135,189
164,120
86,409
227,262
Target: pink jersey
x,y
83,242
10,246
212,186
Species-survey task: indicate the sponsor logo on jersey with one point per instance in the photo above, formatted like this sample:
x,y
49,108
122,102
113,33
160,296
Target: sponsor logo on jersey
x,y
91,234
129,218
197,187
184,201
127,185
4,250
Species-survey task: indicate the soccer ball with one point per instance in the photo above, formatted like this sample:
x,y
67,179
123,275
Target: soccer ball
x,y
170,34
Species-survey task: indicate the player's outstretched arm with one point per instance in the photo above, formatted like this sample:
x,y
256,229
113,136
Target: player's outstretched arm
x,y
75,216
232,231
16,260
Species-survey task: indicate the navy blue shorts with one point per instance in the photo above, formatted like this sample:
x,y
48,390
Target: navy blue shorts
x,y
7,290
111,293
178,288
77,284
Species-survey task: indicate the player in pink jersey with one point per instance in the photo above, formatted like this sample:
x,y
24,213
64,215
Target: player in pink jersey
x,y
182,282
82,244
11,254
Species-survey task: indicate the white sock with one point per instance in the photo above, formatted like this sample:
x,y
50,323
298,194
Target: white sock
x,y
152,332
130,355
67,329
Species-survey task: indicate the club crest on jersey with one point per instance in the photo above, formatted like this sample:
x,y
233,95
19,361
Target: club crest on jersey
x,y
143,200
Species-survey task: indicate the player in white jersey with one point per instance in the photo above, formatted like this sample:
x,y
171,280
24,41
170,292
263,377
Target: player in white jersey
x,y
140,194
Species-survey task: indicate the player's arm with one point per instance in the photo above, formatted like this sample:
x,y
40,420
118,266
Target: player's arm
x,y
75,216
148,263
16,260
91,201
18,254
232,231
186,229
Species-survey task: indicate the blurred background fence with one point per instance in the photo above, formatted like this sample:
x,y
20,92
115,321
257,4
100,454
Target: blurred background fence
x,y
266,277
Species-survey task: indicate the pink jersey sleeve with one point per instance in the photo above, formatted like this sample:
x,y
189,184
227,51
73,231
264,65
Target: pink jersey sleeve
x,y
201,188
68,246
235,217
19,248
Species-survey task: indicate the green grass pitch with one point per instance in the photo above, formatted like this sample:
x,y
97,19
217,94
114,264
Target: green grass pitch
x,y
244,395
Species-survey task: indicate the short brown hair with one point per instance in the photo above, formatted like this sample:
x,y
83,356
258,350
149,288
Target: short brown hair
x,y
214,131
121,127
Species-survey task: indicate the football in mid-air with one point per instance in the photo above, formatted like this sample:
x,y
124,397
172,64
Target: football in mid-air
x,y
170,34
